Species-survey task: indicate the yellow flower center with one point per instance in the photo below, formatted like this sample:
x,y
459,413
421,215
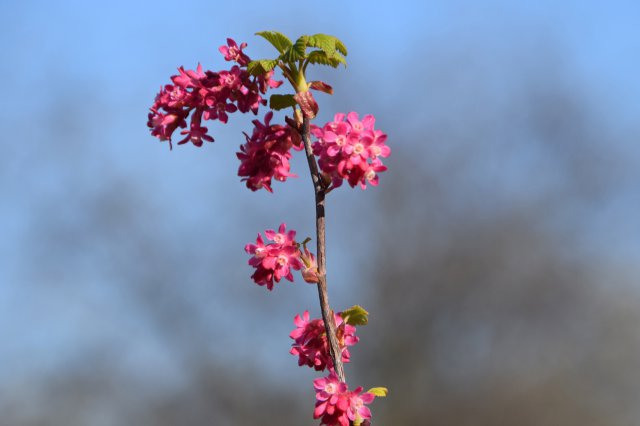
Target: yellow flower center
x,y
370,175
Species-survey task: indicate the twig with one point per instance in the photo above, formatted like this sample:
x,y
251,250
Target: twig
x,y
327,313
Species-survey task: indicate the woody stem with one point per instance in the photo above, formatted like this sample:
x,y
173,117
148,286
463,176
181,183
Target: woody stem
x,y
327,313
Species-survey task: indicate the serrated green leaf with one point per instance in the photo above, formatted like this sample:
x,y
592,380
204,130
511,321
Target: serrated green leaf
x,y
341,47
301,44
277,40
324,42
337,60
379,392
261,66
297,51
319,57
355,315
279,102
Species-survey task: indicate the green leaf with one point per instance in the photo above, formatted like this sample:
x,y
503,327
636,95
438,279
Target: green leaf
x,y
341,47
297,51
355,315
277,40
279,102
261,66
328,44
324,42
380,392
319,57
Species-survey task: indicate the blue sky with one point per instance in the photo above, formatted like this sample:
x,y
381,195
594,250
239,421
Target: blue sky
x,y
79,76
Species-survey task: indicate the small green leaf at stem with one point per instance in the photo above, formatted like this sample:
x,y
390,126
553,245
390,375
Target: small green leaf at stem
x,y
261,66
379,392
279,102
355,315
278,40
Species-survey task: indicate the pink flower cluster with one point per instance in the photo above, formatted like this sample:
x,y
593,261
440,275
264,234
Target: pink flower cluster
x,y
336,405
209,95
311,345
266,154
275,260
351,149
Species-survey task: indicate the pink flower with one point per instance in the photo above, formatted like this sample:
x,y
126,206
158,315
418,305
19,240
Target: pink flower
x,y
196,133
351,150
266,154
266,81
231,79
249,96
311,345
233,52
332,401
274,261
336,405
357,408
282,237
163,125
189,78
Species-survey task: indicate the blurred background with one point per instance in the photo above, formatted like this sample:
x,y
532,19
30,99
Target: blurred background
x,y
499,257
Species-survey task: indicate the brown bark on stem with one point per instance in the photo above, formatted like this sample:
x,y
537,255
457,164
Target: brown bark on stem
x,y
327,314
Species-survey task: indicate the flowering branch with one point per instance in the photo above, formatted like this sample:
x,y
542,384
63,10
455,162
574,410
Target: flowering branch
x,y
348,149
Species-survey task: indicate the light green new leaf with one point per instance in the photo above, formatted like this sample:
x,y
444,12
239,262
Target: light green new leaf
x,y
380,392
341,47
297,51
324,42
319,57
355,315
261,66
279,102
277,40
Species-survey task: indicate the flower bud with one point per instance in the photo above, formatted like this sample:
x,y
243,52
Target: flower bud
x,y
310,267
